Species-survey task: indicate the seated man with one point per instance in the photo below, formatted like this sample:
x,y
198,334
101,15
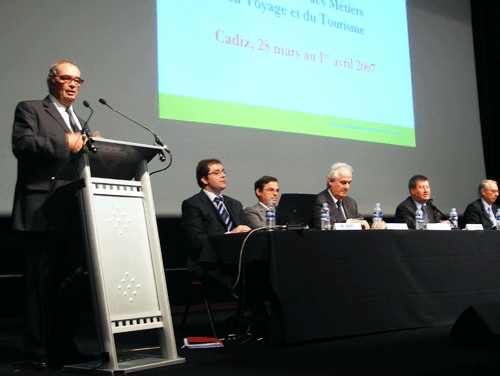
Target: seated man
x,y
420,197
482,211
208,213
266,188
342,207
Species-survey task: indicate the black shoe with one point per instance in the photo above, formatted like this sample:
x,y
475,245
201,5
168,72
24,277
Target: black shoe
x,y
38,359
259,329
254,338
39,365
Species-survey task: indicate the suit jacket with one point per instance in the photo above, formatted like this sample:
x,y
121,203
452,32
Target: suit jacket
x,y
255,216
349,204
201,219
475,213
405,213
38,143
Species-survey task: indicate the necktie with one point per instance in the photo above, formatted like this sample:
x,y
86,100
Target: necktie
x,y
72,121
492,216
226,218
424,212
341,209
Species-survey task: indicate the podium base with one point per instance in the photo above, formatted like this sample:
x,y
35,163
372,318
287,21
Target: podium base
x,y
126,364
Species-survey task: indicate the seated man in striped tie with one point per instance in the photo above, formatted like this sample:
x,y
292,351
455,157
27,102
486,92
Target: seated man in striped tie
x,y
482,211
208,212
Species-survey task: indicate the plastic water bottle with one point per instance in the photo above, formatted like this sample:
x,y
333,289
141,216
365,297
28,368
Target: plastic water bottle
x,y
497,216
419,219
270,215
454,218
326,223
377,213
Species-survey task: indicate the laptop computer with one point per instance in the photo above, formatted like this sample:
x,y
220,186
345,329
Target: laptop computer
x,y
296,209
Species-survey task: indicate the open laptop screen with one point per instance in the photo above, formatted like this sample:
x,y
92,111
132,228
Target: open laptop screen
x,y
296,208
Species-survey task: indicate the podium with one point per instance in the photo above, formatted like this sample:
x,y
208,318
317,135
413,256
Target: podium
x,y
124,258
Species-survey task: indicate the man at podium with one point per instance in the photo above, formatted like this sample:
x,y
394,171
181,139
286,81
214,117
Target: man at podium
x,y
46,137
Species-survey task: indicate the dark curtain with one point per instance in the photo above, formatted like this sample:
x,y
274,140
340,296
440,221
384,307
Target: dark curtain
x,y
486,34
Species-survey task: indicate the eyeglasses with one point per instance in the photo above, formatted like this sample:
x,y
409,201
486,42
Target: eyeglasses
x,y
217,172
68,79
272,190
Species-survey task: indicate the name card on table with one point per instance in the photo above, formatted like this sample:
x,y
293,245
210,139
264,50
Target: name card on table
x,y
474,227
347,226
438,226
396,226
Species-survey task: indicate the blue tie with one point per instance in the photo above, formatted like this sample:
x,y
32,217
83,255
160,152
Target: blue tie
x,y
224,214
492,216
424,212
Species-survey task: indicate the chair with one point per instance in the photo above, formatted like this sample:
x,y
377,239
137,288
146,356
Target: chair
x,y
198,292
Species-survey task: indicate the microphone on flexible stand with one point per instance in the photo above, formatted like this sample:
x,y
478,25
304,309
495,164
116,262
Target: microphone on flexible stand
x,y
86,130
434,207
158,140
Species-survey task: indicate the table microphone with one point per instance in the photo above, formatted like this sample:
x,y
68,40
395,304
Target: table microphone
x,y
434,207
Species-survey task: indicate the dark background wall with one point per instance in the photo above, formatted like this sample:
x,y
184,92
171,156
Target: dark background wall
x,y
486,32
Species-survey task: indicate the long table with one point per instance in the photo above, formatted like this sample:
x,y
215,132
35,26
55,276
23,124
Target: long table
x,y
341,283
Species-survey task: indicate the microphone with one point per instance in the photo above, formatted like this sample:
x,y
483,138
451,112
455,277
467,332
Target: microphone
x,y
158,140
434,207
86,130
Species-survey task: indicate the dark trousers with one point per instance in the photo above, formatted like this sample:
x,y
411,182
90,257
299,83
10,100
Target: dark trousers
x,y
54,290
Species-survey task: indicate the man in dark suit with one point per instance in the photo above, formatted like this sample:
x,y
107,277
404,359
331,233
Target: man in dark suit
x,y
342,207
483,210
266,189
420,197
208,213
203,215
45,139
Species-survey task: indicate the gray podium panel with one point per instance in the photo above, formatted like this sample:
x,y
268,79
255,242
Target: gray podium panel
x,y
124,256
126,260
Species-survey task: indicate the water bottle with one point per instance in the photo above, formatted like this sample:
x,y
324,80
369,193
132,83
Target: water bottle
x,y
270,215
419,219
497,216
454,218
377,213
326,223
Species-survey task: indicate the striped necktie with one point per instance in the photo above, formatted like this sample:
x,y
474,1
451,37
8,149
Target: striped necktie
x,y
72,121
224,214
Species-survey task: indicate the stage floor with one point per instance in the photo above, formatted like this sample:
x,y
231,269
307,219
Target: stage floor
x,y
425,351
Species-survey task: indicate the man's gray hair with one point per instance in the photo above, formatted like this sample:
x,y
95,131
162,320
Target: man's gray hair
x,y
54,68
485,184
336,167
